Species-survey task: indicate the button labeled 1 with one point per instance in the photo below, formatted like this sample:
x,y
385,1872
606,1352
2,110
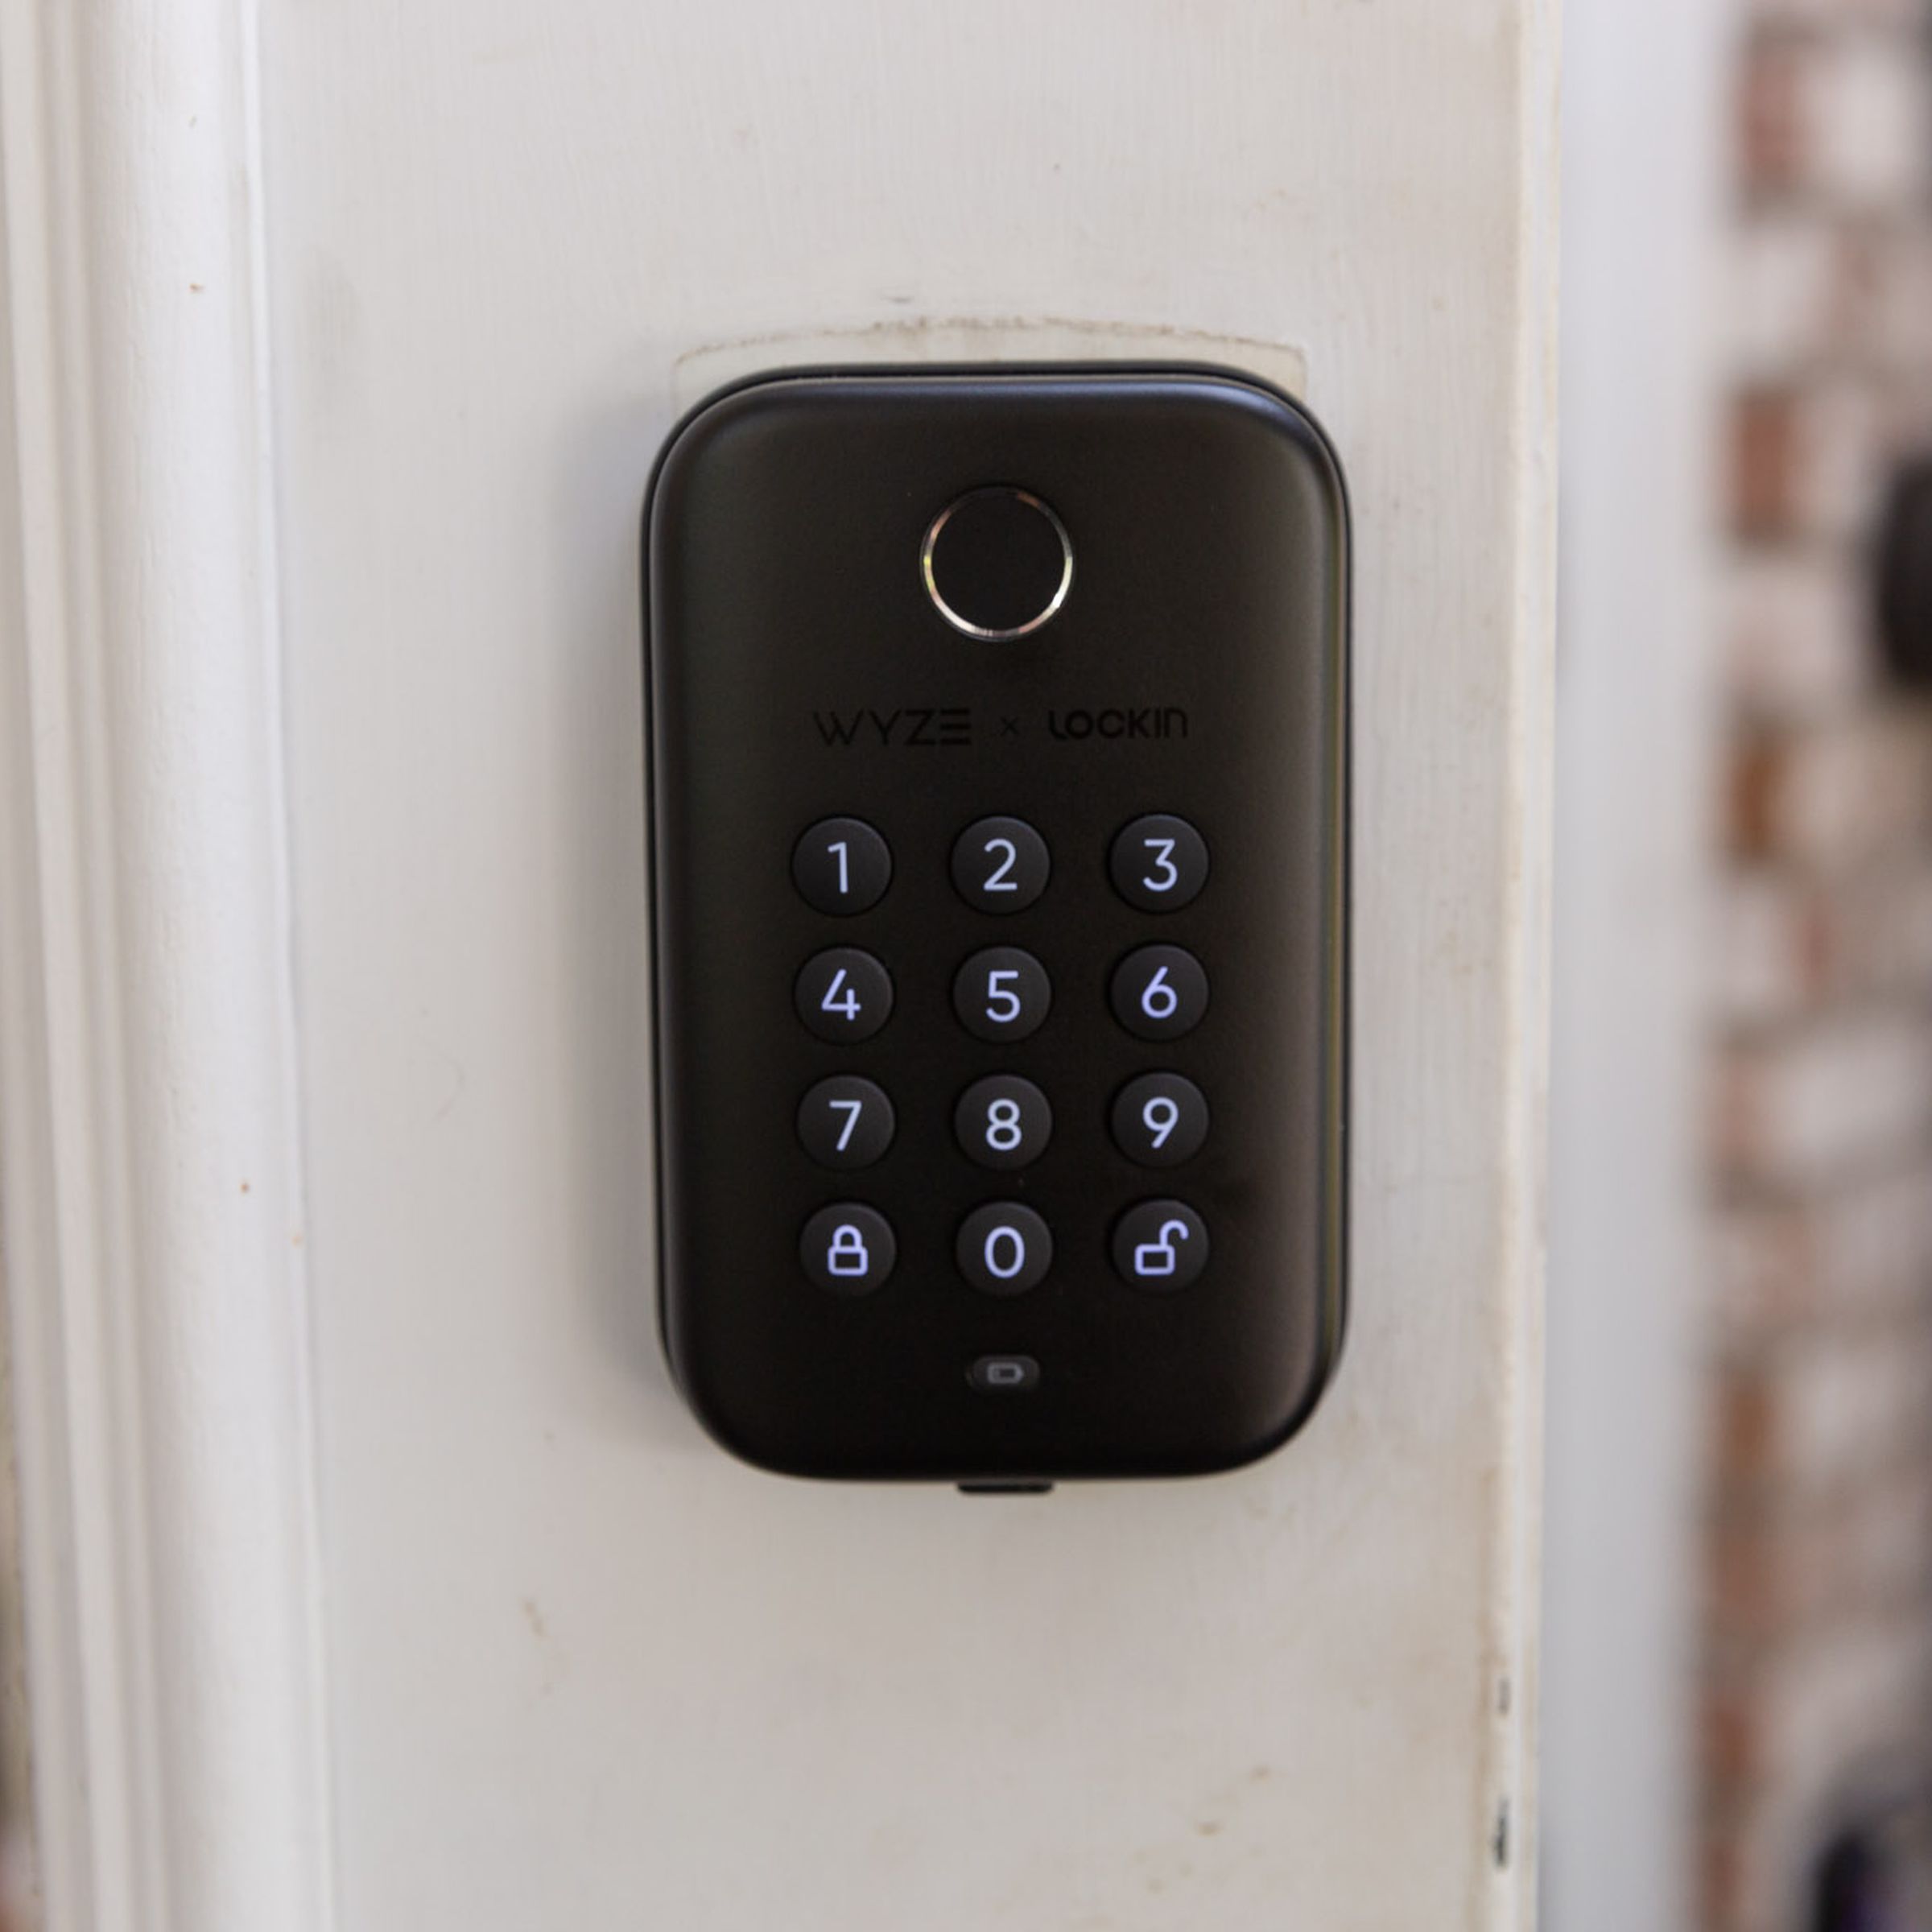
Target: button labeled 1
x,y
841,866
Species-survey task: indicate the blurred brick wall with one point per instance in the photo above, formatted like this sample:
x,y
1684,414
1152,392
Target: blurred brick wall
x,y
1817,1650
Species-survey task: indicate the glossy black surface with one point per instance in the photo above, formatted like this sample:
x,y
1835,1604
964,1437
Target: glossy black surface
x,y
799,672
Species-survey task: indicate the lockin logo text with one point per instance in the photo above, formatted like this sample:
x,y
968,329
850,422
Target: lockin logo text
x,y
932,728
1148,721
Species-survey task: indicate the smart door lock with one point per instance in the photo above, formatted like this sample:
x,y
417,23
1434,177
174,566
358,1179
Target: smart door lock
x,y
998,758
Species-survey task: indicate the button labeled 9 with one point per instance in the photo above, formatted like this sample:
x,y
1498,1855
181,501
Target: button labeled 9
x,y
1160,1119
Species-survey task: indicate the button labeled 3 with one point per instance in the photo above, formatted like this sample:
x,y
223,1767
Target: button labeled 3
x,y
1158,863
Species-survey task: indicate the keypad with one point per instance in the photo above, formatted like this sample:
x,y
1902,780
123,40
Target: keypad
x,y
1003,1121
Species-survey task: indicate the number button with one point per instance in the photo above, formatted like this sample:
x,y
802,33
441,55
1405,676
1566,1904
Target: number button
x,y
1158,863
848,1249
1000,864
1160,1119
1003,1121
843,994
1002,993
1004,1248
845,1122
841,866
1159,992
1160,1245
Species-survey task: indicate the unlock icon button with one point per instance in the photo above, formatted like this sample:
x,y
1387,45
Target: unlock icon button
x,y
847,1248
1160,1245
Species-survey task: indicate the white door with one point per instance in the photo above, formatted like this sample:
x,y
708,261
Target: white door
x,y
380,1581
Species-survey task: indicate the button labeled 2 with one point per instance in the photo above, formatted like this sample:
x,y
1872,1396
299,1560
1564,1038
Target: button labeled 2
x,y
1000,865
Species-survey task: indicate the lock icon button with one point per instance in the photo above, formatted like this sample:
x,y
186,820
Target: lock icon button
x,y
848,1253
1161,1245
847,1248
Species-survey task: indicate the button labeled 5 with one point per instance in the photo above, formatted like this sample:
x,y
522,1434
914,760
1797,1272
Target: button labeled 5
x,y
1002,993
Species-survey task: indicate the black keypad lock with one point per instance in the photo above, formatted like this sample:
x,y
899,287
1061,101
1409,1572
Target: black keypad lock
x,y
998,753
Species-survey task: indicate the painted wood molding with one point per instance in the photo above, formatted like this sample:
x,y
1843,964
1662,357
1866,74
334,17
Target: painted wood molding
x,y
151,1191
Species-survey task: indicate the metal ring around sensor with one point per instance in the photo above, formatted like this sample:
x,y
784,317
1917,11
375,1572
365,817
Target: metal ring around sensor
x,y
965,624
